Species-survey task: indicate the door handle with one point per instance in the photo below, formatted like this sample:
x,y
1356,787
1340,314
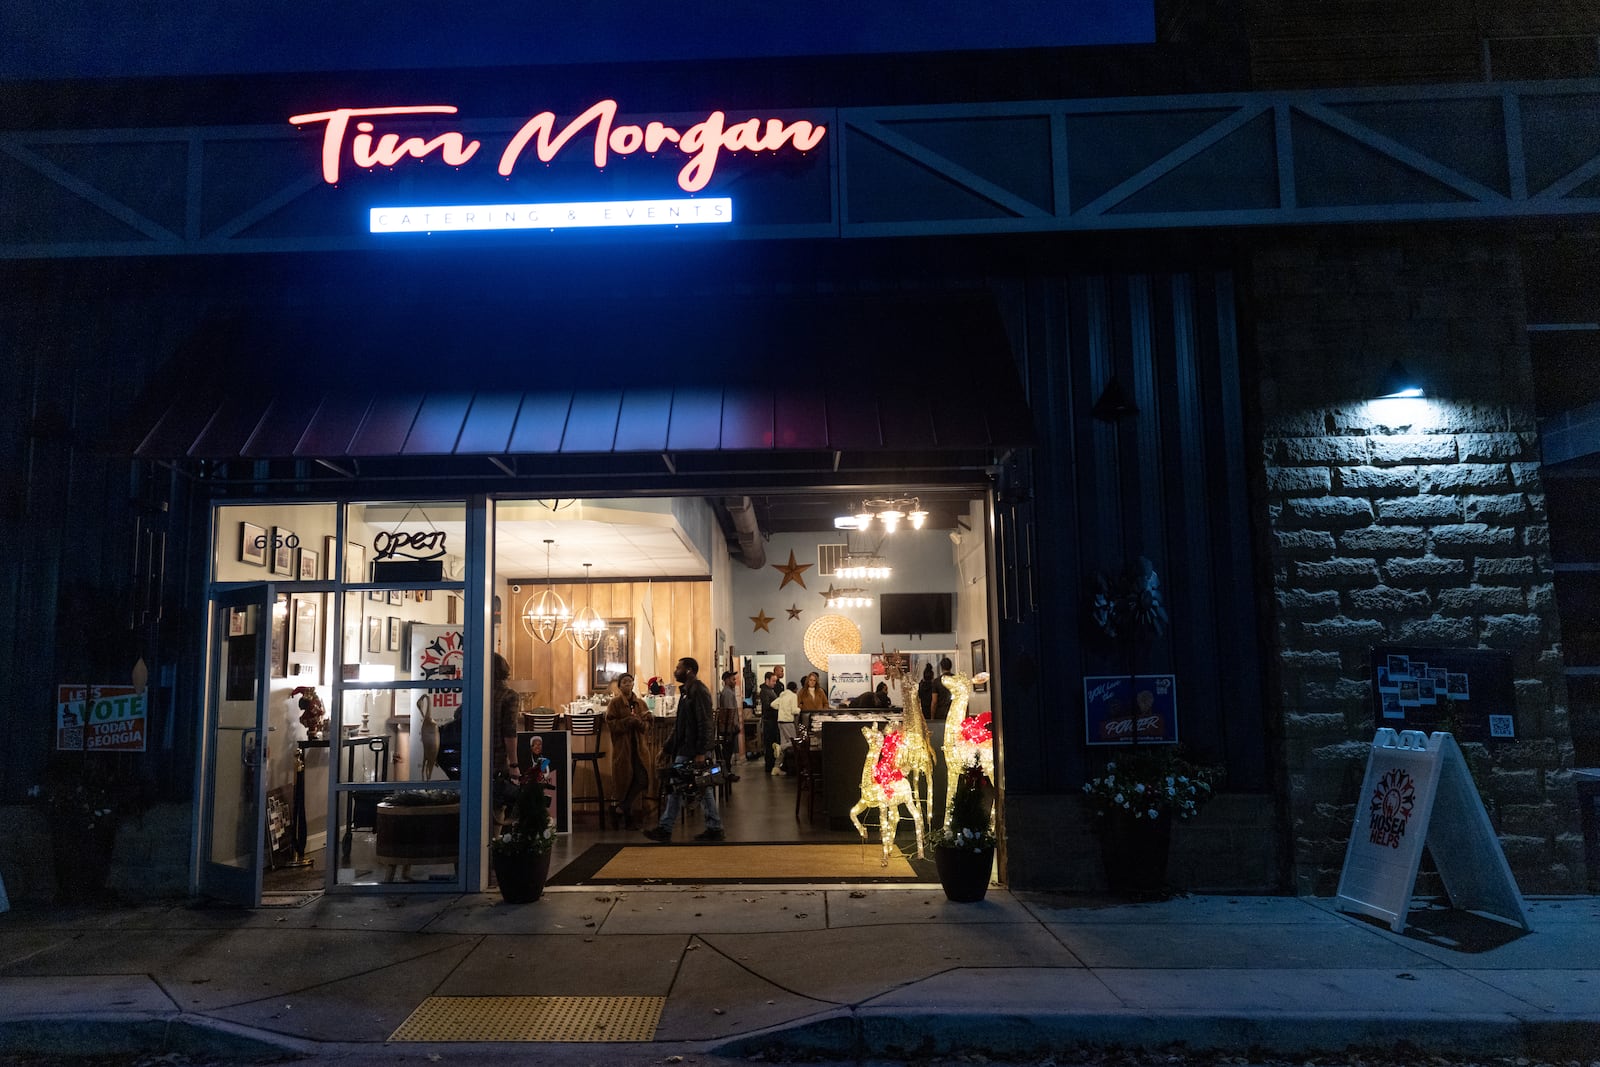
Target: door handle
x,y
249,749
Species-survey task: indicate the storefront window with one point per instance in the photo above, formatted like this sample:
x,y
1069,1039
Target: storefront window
x,y
275,543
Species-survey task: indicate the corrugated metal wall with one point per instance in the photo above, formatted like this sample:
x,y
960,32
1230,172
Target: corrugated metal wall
x,y
1167,483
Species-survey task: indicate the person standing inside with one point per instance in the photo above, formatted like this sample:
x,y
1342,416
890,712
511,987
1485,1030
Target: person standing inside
x,y
941,694
627,719
730,725
504,708
769,720
788,705
693,740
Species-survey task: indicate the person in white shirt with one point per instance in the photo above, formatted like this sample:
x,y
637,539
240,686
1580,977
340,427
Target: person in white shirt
x,y
788,705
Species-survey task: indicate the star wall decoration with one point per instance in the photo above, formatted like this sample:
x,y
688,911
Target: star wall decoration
x,y
762,621
794,611
829,593
791,571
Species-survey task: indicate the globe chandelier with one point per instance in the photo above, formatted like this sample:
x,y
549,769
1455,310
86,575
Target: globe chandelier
x,y
546,616
587,628
889,511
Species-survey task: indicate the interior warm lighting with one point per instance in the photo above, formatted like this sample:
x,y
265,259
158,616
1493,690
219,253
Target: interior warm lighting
x,y
850,598
888,510
587,628
870,568
546,616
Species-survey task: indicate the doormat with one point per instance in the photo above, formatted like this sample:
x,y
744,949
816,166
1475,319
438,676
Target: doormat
x,y
288,900
741,864
573,1019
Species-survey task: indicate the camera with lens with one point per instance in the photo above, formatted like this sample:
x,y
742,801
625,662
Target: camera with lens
x,y
688,780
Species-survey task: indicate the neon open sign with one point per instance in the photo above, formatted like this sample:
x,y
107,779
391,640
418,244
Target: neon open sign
x,y
703,142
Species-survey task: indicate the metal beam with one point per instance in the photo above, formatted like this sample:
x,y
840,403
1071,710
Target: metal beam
x,y
1474,151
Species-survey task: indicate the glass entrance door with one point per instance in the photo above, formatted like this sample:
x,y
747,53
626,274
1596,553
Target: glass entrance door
x,y
232,819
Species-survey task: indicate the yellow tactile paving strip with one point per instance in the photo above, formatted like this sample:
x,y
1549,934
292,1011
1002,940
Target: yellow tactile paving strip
x,y
573,1019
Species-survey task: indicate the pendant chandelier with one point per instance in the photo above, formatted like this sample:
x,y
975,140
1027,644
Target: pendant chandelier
x,y
587,627
887,510
863,566
849,598
546,616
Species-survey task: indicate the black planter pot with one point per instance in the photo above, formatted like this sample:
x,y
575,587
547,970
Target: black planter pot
x,y
1134,852
82,862
521,877
963,873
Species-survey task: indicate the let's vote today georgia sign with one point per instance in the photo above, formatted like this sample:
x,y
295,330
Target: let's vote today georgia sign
x,y
101,718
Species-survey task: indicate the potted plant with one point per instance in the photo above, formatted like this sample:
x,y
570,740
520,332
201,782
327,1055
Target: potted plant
x,y
1135,802
963,851
521,850
84,800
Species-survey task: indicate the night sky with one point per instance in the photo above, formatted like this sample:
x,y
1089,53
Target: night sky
x,y
137,38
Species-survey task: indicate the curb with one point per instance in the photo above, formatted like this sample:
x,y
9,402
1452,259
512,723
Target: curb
x,y
864,1032
120,1033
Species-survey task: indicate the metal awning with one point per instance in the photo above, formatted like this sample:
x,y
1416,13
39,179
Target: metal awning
x,y
583,379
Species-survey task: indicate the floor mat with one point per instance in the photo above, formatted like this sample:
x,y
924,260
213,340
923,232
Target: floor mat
x,y
738,863
532,1019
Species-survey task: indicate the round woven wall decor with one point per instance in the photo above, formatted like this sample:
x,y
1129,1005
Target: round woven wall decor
x,y
828,635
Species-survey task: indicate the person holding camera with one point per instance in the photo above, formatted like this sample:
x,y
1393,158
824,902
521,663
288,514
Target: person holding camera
x,y
692,743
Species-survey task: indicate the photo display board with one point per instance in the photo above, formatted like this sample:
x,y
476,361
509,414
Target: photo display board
x,y
554,765
1466,691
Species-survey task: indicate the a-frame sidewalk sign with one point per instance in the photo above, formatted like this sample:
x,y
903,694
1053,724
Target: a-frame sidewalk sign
x,y
1418,792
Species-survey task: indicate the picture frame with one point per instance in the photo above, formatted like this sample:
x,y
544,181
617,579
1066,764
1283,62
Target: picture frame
x,y
310,565
355,562
330,558
394,633
252,544
612,657
283,551
376,595
279,665
374,634
238,622
397,596
980,664
305,623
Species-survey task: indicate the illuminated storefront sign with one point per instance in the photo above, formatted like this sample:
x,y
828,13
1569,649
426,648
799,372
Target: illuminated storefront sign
x,y
433,219
702,143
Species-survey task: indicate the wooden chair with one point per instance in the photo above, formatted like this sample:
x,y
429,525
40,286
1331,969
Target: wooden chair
x,y
540,720
808,776
585,730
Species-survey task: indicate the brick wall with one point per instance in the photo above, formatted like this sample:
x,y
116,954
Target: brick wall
x,y
1420,522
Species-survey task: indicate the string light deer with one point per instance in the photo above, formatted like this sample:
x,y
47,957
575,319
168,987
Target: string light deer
x,y
916,746
884,786
965,739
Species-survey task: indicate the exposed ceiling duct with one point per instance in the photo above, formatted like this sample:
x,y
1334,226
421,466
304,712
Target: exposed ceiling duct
x,y
752,550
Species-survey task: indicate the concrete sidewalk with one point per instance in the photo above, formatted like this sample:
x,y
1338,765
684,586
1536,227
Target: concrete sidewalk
x,y
834,972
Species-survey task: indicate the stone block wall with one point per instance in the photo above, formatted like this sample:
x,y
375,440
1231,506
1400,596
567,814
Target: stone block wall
x,y
1407,521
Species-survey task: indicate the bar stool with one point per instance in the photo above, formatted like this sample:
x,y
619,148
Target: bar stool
x,y
540,720
588,726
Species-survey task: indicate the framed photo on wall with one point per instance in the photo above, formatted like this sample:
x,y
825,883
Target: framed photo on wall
x,y
252,544
283,551
305,623
980,664
374,634
394,633
310,565
279,667
609,660
330,558
355,562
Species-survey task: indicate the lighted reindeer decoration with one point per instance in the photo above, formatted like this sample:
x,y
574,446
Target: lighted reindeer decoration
x,y
965,740
916,747
884,786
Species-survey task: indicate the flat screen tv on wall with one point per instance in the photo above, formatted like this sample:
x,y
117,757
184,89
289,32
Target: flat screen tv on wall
x,y
916,613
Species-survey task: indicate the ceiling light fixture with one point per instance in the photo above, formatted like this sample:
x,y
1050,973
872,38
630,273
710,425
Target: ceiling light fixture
x,y
888,510
546,616
850,598
587,628
863,567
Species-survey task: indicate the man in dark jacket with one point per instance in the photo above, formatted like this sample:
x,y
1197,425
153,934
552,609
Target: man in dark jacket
x,y
693,741
769,719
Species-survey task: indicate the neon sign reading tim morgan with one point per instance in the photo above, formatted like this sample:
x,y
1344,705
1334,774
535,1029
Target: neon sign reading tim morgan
x,y
703,142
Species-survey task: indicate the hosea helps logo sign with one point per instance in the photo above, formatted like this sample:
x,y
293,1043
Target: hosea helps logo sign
x,y
701,142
